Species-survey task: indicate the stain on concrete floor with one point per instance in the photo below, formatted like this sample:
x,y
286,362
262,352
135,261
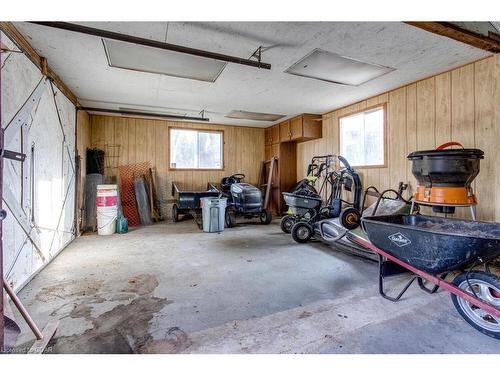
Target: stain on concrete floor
x,y
68,289
123,329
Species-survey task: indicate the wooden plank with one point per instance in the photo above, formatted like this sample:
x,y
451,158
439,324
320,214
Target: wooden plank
x,y
121,139
109,145
462,107
396,133
485,135
497,135
132,142
443,108
411,133
426,111
455,32
97,131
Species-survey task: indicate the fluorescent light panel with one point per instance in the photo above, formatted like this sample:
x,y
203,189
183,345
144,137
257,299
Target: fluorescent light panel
x,y
245,115
130,109
153,60
331,67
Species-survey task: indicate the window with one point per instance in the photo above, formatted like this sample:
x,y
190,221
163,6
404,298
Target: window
x,y
362,138
196,149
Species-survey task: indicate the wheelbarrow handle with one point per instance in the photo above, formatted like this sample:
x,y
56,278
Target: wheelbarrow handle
x,y
330,238
449,144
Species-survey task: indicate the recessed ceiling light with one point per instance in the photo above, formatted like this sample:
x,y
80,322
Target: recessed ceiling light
x,y
244,115
331,67
153,60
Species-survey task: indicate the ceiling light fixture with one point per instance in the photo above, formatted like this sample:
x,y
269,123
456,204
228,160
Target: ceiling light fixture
x,y
153,60
334,68
256,116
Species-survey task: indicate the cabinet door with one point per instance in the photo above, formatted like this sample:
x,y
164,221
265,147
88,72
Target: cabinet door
x,y
312,126
267,137
267,151
275,134
296,129
285,134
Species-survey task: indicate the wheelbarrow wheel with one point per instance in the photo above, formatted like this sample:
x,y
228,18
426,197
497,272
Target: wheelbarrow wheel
x,y
302,232
265,217
175,213
286,223
230,219
350,218
487,287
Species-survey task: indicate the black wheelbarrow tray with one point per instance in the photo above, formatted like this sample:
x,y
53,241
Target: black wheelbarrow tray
x,y
189,202
431,247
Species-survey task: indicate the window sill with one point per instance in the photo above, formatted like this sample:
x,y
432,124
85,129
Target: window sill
x,y
369,166
195,169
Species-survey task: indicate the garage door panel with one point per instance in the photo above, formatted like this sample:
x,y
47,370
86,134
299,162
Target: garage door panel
x,y
18,74
36,229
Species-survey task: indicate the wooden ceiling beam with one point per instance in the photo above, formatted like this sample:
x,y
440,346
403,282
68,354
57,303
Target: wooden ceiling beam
x,y
455,32
41,63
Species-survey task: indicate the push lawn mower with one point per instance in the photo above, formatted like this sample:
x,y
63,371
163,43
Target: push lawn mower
x,y
315,169
305,205
242,200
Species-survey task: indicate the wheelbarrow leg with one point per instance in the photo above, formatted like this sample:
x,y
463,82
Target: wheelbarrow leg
x,y
434,288
381,283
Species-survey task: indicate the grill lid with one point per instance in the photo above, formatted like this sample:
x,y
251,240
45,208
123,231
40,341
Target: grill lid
x,y
464,153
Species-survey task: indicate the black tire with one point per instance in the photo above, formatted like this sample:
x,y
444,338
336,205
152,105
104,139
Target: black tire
x,y
350,218
487,324
265,217
230,219
302,232
287,223
175,213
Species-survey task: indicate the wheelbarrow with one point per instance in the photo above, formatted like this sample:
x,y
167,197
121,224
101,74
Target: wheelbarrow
x,y
432,247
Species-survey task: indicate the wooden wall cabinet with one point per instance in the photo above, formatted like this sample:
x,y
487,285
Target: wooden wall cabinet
x,y
301,128
275,134
285,135
281,141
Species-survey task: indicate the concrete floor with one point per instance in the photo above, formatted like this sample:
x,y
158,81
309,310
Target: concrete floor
x,y
170,288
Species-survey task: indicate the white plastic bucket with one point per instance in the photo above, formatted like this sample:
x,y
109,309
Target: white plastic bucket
x,y
107,209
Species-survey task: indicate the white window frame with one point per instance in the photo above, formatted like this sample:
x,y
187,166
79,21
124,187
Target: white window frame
x,y
170,167
384,136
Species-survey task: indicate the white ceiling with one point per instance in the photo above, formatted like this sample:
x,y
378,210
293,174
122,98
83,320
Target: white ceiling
x,y
81,62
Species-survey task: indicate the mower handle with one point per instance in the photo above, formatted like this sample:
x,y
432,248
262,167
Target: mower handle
x,y
344,162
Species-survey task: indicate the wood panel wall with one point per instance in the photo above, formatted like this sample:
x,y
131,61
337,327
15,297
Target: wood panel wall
x,y
461,105
148,140
83,141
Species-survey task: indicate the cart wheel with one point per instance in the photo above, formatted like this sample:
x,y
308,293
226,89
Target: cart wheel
x,y
350,218
265,217
487,287
175,214
302,232
286,223
230,219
